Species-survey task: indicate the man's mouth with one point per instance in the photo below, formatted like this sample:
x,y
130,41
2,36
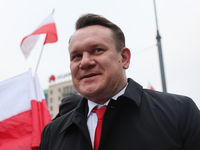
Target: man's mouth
x,y
88,76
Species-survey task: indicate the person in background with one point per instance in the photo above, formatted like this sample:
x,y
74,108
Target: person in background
x,y
68,103
116,112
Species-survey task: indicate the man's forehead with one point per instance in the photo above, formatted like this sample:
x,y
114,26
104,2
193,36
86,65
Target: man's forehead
x,y
92,30
91,34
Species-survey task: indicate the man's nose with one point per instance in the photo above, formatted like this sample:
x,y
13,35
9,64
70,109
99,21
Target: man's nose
x,y
87,61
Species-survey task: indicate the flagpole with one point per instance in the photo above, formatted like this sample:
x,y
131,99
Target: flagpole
x,y
40,56
158,37
39,59
42,49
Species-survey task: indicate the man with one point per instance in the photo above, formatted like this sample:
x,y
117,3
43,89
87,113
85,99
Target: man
x,y
68,103
135,118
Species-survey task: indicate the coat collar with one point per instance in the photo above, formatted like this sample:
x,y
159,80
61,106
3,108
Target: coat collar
x,y
133,91
79,115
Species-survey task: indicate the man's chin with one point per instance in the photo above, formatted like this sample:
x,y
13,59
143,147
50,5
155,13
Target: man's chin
x,y
88,92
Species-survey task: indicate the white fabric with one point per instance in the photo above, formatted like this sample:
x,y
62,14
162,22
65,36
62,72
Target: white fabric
x,y
29,42
49,19
39,94
15,95
92,117
17,92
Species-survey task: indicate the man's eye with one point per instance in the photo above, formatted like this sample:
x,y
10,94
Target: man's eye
x,y
98,50
77,56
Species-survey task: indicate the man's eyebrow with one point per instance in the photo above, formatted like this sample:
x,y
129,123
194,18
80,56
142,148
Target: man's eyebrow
x,y
91,46
96,45
73,52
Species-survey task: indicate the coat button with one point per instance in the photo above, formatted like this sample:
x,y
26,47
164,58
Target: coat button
x,y
112,106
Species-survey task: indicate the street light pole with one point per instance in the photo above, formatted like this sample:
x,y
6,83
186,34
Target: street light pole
x,y
158,37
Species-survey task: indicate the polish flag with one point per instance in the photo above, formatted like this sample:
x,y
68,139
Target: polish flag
x,y
47,27
151,88
24,112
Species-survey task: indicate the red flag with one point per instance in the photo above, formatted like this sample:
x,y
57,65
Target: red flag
x,y
151,88
47,27
24,112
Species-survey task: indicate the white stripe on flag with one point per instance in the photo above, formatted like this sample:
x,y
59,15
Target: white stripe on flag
x,y
14,95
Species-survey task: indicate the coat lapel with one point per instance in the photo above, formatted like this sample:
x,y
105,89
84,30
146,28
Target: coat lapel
x,y
79,119
110,115
133,92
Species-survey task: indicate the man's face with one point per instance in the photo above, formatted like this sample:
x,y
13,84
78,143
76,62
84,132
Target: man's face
x,y
97,67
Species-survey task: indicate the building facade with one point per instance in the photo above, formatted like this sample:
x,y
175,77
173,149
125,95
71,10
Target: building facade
x,y
56,93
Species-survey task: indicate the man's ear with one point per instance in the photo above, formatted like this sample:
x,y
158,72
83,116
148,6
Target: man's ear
x,y
126,56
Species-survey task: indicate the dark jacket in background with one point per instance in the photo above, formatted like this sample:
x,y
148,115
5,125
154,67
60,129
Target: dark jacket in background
x,y
68,103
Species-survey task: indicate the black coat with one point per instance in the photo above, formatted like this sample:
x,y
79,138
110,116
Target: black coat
x,y
139,120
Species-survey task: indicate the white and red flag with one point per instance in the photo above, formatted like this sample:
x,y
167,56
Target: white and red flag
x,y
24,112
47,27
151,88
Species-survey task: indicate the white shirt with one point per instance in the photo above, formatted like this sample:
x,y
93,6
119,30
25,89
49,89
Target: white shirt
x,y
92,117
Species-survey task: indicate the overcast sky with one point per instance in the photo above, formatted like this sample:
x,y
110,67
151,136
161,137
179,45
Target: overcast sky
x,y
179,26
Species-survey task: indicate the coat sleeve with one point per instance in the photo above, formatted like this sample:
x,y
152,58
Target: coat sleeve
x,y
45,138
190,125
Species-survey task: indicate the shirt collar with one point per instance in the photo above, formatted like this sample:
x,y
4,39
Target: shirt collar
x,y
120,93
92,104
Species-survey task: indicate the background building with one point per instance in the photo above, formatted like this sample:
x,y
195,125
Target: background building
x,y
46,95
56,93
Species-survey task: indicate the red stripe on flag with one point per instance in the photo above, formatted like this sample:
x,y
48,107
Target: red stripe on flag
x,y
49,29
40,118
16,131
151,88
22,128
